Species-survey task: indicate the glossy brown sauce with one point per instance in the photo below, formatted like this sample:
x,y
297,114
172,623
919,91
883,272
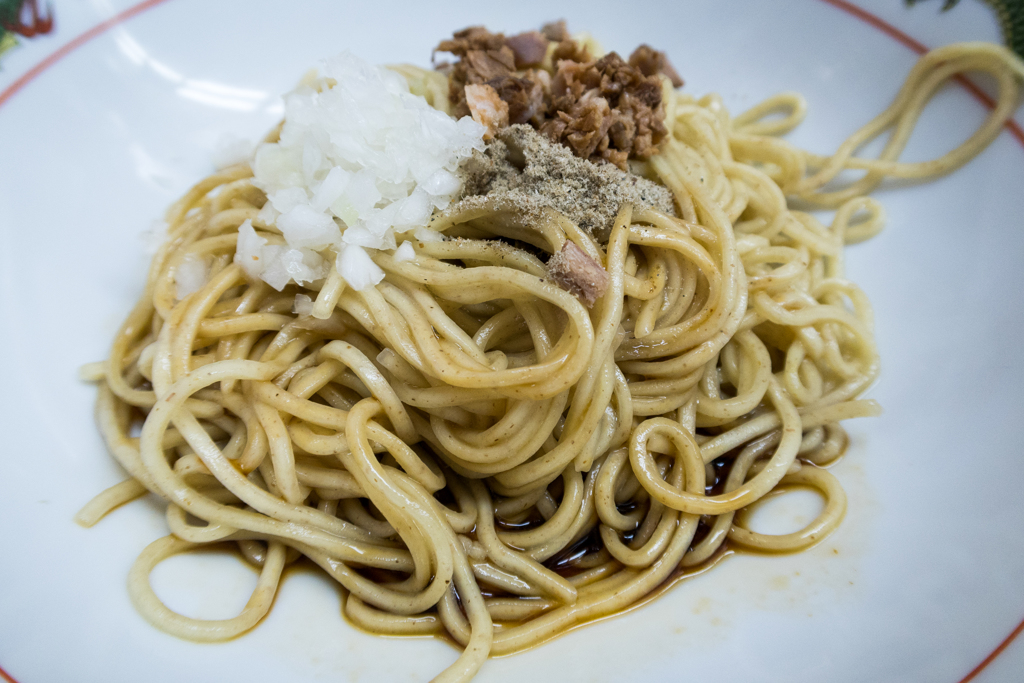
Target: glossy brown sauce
x,y
678,575
566,563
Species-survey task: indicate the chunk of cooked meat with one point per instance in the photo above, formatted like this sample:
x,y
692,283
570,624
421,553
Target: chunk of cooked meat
x,y
652,62
486,108
583,126
556,31
569,49
529,48
483,56
577,273
525,97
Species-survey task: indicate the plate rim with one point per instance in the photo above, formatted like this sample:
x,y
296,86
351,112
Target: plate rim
x,y
848,8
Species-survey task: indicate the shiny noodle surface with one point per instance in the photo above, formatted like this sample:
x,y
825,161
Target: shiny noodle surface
x,y
465,448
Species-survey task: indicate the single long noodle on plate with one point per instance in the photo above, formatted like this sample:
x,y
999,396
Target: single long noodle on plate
x,y
465,446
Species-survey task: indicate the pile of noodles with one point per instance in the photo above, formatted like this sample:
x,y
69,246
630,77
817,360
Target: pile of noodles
x,y
466,448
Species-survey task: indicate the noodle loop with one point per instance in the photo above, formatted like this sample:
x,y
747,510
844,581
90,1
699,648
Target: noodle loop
x,y
465,447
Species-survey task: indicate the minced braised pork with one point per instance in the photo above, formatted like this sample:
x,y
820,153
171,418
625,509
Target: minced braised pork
x,y
556,31
603,110
606,109
483,57
525,97
652,62
529,48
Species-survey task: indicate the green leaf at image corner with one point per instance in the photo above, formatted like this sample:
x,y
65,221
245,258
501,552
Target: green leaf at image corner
x,y
7,41
1011,18
9,11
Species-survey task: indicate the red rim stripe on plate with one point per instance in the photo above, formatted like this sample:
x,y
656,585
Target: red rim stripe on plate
x,y
918,47
76,43
851,9
995,653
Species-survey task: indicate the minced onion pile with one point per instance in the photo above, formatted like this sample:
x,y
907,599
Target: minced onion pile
x,y
360,159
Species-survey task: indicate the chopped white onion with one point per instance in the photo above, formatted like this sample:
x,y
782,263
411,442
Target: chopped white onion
x,y
248,252
304,227
287,199
358,269
405,252
330,190
359,158
268,214
190,275
284,265
427,235
303,305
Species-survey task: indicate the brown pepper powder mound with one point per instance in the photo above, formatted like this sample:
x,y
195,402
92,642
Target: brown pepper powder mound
x,y
526,172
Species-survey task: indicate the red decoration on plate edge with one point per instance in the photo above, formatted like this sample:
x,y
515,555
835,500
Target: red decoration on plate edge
x,y
849,8
23,10
24,18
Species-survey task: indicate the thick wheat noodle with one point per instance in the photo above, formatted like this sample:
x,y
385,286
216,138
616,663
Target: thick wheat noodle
x,y
467,445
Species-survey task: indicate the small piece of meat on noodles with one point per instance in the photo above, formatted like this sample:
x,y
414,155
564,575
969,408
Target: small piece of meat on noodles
x,y
578,274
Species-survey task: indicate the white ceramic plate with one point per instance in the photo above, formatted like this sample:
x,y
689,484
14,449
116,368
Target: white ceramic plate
x,y
923,580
